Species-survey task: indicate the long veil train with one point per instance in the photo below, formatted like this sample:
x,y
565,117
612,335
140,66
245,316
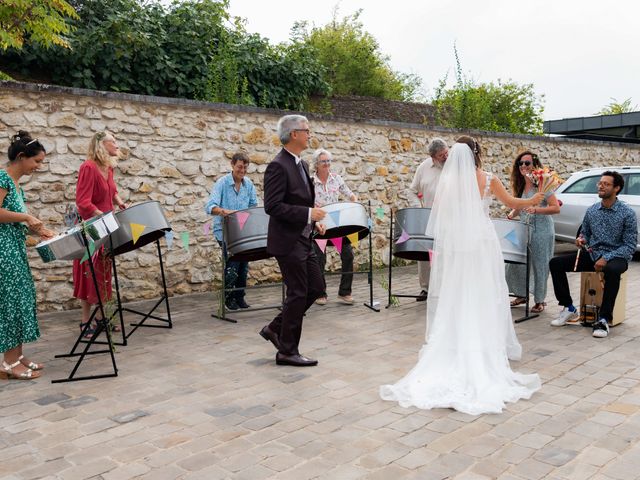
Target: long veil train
x,y
465,364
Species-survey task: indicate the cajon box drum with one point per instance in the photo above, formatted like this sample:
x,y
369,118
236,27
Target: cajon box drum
x,y
591,295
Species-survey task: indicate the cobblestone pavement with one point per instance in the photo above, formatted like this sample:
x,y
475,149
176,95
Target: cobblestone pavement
x,y
205,400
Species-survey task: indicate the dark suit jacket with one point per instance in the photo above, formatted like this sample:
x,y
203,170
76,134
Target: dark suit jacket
x,y
286,201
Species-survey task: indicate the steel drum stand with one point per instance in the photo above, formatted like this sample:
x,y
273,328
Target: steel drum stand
x,y
527,314
102,325
389,278
166,322
375,306
221,314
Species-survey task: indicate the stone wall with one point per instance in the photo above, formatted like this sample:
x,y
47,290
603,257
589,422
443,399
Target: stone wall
x,y
178,148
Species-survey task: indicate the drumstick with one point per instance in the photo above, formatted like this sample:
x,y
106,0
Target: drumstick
x,y
575,266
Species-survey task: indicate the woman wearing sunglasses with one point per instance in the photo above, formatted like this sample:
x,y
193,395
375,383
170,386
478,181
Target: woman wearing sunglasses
x,y
541,230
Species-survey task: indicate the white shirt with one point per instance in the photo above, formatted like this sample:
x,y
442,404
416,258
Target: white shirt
x,y
425,182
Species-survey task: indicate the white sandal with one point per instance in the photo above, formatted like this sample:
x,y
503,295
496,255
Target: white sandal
x,y
32,365
6,372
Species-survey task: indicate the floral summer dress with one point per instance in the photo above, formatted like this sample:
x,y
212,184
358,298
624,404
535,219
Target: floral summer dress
x,y
18,322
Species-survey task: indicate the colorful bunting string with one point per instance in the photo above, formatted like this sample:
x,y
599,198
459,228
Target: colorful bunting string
x,y
185,240
206,228
322,243
337,242
335,216
168,236
380,213
353,239
136,231
92,248
242,218
403,237
513,238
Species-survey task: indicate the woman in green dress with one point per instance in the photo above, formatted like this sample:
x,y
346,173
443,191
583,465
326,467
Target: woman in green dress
x,y
18,322
541,233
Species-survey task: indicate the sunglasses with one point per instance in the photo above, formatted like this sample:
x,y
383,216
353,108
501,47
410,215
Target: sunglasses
x,y
526,163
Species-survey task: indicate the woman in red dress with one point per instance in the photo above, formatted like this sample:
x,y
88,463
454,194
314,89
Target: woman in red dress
x,y
96,193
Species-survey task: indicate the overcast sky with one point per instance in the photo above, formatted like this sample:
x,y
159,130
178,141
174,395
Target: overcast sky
x,y
578,53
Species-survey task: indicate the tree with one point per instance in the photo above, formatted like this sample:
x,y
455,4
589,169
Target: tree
x,y
616,107
497,107
353,62
42,22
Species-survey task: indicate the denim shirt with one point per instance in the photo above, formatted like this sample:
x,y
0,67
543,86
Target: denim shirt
x,y
224,195
610,232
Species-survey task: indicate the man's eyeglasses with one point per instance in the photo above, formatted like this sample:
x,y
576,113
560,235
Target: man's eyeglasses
x,y
525,163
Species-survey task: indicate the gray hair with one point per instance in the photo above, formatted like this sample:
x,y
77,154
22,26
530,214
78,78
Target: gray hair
x,y
435,146
318,153
288,124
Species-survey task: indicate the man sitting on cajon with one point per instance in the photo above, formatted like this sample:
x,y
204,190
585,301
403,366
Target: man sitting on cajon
x,y
607,242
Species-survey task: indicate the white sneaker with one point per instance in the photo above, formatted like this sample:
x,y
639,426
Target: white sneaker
x,y
600,329
564,316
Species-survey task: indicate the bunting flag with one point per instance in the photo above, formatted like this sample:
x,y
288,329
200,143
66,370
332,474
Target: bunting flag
x,y
432,256
380,213
335,216
322,244
185,240
206,228
513,238
136,231
242,218
353,239
370,223
168,236
337,242
404,237
92,248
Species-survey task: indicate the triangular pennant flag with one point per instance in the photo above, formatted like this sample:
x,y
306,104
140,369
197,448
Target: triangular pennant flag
x,y
322,243
185,240
242,218
136,231
335,216
168,236
92,248
513,238
206,228
369,223
337,242
353,239
432,256
380,213
404,237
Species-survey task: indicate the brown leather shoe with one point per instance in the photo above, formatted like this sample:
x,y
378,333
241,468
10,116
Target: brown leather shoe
x,y
295,360
270,336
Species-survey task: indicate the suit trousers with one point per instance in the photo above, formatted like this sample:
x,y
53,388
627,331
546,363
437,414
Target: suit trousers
x,y
560,265
304,284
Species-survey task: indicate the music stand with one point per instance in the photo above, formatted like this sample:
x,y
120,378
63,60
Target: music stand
x,y
527,313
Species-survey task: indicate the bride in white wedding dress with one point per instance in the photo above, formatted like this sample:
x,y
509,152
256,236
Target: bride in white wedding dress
x,y
465,363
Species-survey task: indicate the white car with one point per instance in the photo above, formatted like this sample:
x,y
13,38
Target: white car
x,y
580,191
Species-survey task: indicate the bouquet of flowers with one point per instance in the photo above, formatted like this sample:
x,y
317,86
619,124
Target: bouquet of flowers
x,y
546,180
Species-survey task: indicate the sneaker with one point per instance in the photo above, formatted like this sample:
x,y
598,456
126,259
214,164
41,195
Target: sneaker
x,y
321,301
242,304
348,299
564,316
600,328
231,304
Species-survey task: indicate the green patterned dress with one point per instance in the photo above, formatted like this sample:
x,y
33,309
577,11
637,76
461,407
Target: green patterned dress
x,y
18,322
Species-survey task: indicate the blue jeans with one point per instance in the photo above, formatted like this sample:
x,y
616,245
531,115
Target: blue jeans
x,y
235,276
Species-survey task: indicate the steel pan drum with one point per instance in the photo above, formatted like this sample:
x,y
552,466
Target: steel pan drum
x,y
513,240
413,221
248,242
70,245
345,218
149,214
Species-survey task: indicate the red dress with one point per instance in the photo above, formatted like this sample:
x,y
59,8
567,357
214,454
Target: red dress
x,y
93,192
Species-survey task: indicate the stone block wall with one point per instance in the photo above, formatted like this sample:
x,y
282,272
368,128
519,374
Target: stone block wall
x,y
178,148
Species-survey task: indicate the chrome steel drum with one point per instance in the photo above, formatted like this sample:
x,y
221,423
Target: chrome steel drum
x,y
345,218
150,215
70,245
246,242
414,222
513,240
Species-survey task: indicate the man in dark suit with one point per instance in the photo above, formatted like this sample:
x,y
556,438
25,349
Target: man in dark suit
x,y
288,200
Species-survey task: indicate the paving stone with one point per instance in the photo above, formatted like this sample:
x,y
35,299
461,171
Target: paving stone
x,y
129,416
52,398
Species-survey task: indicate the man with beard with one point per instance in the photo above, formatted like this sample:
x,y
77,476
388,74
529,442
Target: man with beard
x,y
609,234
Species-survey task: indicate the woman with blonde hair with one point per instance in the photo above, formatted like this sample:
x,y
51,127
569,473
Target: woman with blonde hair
x,y
96,193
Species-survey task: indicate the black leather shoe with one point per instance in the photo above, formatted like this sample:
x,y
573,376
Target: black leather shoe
x,y
422,296
231,304
295,360
242,304
270,336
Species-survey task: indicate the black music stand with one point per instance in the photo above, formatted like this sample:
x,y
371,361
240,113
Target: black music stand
x,y
164,322
527,313
102,325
